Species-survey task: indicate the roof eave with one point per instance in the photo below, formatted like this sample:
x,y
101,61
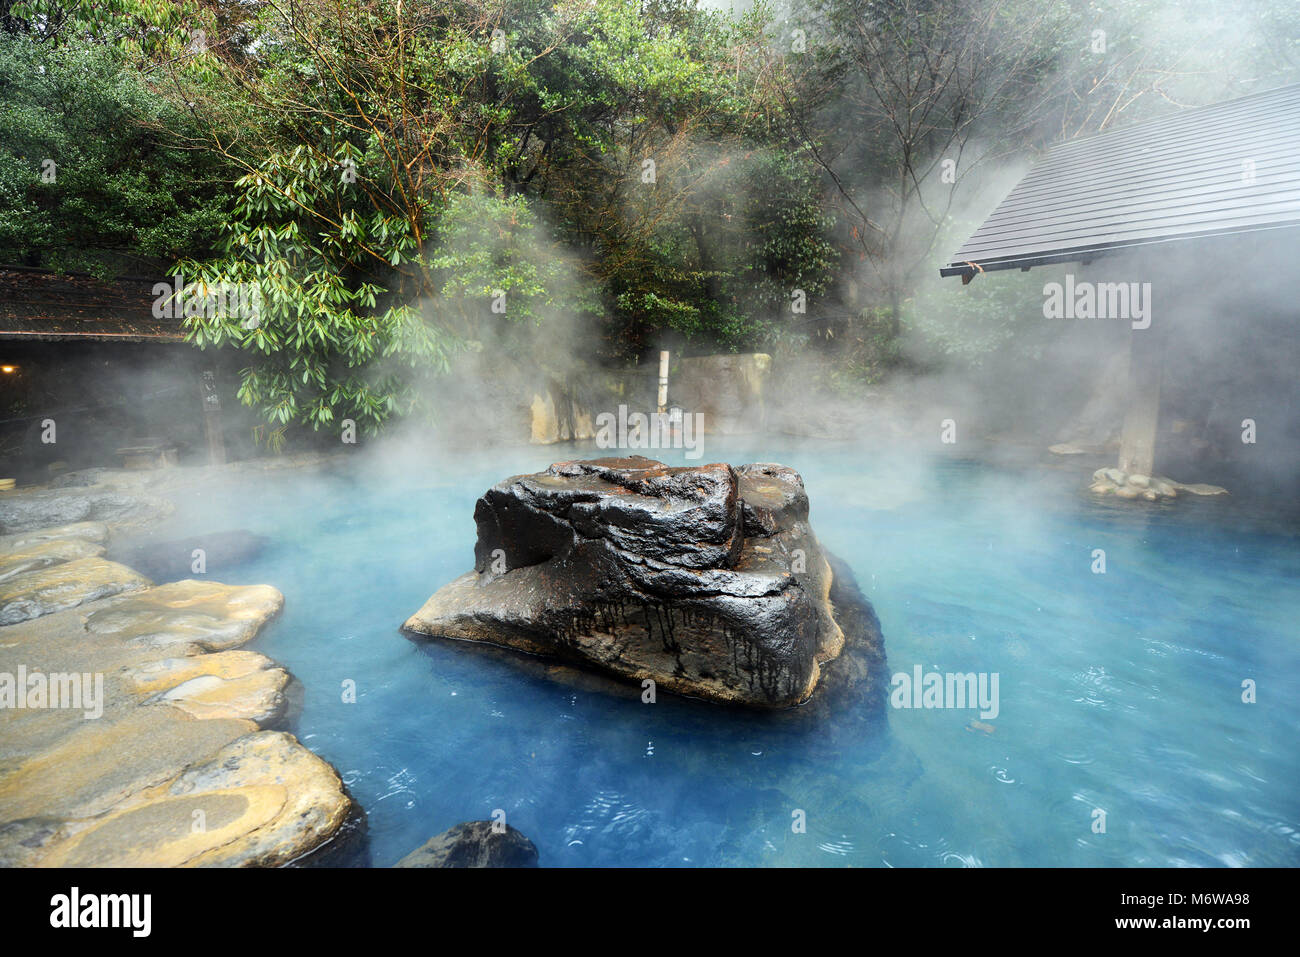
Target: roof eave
x,y
968,269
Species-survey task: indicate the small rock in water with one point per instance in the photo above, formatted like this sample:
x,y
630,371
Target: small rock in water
x,y
474,844
1150,488
1202,489
1164,487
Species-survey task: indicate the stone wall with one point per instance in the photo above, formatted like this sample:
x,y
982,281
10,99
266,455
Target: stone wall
x,y
728,389
557,415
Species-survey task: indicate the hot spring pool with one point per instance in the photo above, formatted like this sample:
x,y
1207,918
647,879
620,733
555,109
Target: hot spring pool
x,y
1119,691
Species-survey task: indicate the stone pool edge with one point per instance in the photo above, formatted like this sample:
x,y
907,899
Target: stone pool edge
x,y
172,755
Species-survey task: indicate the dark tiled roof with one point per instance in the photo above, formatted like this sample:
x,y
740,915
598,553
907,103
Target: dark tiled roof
x,y
36,305
1229,168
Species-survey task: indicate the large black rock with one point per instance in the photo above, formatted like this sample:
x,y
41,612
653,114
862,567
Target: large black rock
x,y
707,580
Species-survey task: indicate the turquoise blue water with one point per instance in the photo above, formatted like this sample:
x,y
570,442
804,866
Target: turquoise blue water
x,y
1119,692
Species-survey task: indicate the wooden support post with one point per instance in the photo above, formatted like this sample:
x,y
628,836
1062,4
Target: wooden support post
x,y
663,381
212,417
1137,447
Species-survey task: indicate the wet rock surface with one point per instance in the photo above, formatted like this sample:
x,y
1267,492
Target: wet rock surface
x,y
707,580
34,555
55,587
474,844
133,730
40,508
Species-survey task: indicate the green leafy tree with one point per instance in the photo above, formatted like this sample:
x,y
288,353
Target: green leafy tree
x,y
367,219
647,134
95,173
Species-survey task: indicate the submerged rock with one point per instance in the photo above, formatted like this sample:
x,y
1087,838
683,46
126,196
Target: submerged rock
x,y
474,844
167,560
707,580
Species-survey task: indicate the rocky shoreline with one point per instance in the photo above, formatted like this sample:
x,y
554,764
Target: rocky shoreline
x,y
1151,488
134,730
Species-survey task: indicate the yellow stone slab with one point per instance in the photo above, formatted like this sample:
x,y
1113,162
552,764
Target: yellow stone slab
x,y
96,532
170,832
101,764
67,585
43,554
256,697
209,614
166,673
